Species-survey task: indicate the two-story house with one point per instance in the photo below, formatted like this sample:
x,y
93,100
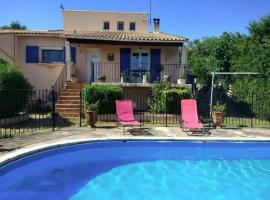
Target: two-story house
x,y
94,45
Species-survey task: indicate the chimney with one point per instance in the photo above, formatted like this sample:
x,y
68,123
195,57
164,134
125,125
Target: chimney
x,y
156,25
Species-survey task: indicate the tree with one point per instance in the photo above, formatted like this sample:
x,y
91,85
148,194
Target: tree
x,y
232,53
211,54
15,25
236,53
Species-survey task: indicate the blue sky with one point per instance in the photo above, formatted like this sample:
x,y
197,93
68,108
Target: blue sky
x,y
190,18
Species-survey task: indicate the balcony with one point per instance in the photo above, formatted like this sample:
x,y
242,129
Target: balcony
x,y
111,73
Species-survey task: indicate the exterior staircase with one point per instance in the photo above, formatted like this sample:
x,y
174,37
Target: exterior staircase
x,y
68,104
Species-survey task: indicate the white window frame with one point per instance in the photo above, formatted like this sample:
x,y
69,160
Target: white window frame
x,y
140,52
49,48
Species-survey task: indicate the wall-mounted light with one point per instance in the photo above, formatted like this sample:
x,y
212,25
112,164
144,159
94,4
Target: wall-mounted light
x,y
110,57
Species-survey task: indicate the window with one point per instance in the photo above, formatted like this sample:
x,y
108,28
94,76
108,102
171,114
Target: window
x,y
140,61
106,26
132,26
52,55
120,26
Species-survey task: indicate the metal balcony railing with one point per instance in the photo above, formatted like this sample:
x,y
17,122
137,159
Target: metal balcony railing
x,y
110,72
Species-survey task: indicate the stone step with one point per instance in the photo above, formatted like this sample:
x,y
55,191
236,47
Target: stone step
x,y
76,101
71,90
67,105
72,83
70,116
73,86
69,98
68,109
67,93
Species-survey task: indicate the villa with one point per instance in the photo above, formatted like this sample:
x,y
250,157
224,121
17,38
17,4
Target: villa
x,y
95,46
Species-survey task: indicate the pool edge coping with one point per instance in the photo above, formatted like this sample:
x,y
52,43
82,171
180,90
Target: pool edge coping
x,y
42,146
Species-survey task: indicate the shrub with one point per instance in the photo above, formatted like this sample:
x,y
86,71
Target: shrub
x,y
172,98
155,103
14,89
105,95
162,94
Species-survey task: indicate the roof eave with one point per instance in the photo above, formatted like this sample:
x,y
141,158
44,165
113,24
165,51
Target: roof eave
x,y
124,42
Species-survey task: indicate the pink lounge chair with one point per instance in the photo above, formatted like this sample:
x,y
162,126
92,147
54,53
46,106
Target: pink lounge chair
x,y
124,114
189,115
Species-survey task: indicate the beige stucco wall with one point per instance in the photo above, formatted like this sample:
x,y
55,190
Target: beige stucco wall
x,y
41,76
93,21
8,47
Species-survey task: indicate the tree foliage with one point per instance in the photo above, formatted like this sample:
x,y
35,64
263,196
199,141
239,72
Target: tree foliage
x,y
14,25
234,52
14,91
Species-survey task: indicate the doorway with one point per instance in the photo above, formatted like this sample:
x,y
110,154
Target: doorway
x,y
93,64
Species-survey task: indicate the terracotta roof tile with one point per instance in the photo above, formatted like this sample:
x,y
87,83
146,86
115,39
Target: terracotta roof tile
x,y
104,35
124,36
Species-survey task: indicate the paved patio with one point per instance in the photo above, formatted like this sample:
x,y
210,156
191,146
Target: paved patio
x,y
16,147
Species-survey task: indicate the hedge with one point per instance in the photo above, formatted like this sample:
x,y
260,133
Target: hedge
x,y
171,99
14,91
105,95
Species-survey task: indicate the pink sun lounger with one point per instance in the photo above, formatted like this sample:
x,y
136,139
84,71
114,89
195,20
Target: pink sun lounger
x,y
124,114
189,115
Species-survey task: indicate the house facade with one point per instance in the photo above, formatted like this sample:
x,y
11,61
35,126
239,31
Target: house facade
x,y
95,46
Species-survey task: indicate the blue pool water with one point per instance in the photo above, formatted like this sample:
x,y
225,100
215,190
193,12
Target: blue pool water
x,y
141,170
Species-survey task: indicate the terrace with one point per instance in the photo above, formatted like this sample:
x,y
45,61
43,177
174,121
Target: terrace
x,y
110,72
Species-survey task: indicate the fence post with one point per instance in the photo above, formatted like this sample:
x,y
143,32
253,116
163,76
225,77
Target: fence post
x,y
252,106
80,108
53,109
166,113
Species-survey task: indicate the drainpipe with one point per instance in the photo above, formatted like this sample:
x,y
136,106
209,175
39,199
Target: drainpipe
x,y
68,60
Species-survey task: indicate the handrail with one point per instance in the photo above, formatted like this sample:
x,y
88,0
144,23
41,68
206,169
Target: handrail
x,y
60,81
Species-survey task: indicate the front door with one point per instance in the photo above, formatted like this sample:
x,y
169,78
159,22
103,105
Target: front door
x,y
139,65
93,64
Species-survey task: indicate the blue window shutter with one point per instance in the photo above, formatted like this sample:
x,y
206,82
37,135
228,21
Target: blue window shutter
x,y
32,54
73,54
155,65
125,61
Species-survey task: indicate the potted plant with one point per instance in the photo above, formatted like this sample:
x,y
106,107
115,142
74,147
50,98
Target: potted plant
x,y
167,78
146,77
122,77
182,79
74,79
92,110
102,78
218,114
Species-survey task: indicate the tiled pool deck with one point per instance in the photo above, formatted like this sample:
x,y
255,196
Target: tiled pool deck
x,y
16,147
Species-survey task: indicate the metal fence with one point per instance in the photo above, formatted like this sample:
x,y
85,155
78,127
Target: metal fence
x,y
246,110
242,111
26,110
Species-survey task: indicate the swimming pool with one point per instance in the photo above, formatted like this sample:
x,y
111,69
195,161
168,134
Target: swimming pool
x,y
141,170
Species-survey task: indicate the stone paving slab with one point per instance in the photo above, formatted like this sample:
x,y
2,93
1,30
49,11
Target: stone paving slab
x,y
16,147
